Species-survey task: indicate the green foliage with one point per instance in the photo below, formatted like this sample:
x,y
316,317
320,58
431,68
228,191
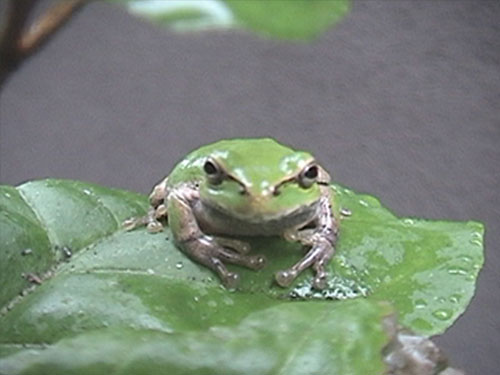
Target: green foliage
x,y
287,19
297,19
131,302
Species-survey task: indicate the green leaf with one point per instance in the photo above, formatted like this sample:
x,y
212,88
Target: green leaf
x,y
276,340
132,302
297,19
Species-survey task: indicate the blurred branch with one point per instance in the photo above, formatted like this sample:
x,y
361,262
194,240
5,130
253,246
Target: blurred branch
x,y
16,16
18,42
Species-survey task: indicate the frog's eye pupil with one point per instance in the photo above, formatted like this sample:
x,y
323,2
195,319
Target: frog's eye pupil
x,y
308,176
311,172
210,168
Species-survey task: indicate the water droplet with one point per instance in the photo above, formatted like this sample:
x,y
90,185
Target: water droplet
x,y
7,195
470,277
196,299
466,258
345,212
150,271
166,259
442,314
87,191
420,304
179,265
26,252
457,271
455,298
477,236
409,221
476,242
363,203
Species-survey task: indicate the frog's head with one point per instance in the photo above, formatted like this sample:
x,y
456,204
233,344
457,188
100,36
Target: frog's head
x,y
259,179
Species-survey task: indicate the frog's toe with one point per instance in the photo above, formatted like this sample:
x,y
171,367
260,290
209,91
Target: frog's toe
x,y
154,227
239,246
285,277
257,262
320,281
231,280
130,224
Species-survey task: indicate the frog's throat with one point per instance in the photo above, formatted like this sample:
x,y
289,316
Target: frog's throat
x,y
215,219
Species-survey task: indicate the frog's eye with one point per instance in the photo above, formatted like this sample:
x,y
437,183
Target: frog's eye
x,y
213,171
308,176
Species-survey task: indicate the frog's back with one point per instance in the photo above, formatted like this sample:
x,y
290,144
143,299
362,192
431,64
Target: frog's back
x,y
258,151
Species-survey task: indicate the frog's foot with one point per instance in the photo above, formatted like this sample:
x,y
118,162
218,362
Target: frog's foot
x,y
239,246
150,220
152,225
209,252
317,258
131,223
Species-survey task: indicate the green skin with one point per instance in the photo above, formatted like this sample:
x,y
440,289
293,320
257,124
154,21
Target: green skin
x,y
246,187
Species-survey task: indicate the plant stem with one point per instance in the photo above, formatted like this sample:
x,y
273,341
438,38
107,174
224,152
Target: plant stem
x,y
17,43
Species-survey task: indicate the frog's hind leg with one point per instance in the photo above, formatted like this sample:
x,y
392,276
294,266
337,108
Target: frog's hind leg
x,y
209,253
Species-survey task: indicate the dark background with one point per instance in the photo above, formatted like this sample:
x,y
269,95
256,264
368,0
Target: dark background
x,y
401,100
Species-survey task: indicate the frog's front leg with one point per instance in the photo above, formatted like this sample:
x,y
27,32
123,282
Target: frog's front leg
x,y
156,213
321,240
212,252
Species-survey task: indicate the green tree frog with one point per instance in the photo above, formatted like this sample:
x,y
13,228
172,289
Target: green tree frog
x,y
246,187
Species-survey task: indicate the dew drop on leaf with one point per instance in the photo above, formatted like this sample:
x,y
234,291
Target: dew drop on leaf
x,y
345,212
457,271
409,221
420,304
466,258
475,242
442,314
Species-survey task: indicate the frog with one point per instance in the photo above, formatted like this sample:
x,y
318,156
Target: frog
x,y
247,187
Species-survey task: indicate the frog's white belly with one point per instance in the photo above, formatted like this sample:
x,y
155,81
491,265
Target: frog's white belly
x,y
214,221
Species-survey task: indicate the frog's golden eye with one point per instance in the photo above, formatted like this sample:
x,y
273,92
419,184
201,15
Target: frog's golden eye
x,y
213,172
308,176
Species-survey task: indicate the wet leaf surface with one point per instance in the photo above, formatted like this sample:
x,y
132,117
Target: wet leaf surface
x,y
122,302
